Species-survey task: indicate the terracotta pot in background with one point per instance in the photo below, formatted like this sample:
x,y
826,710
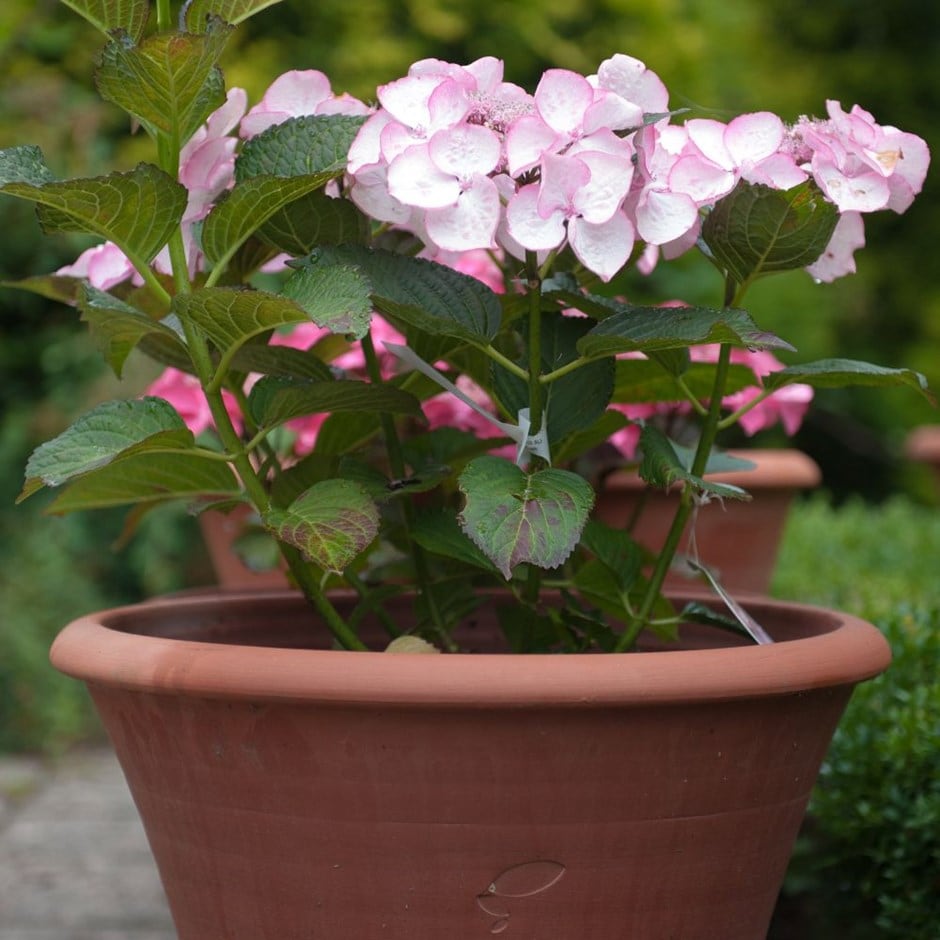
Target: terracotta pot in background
x,y
923,445
290,792
219,532
738,539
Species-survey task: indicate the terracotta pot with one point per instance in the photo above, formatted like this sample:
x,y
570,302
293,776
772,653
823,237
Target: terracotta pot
x,y
923,445
738,539
290,792
219,531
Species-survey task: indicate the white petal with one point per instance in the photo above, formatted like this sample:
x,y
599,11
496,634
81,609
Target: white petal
x,y
527,227
471,223
465,150
751,138
603,249
562,97
662,217
414,180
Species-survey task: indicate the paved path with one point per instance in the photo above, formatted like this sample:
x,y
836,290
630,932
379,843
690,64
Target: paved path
x,y
74,861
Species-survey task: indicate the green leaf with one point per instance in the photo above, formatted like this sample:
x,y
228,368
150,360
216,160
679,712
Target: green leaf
x,y
439,533
615,549
274,400
523,518
247,207
170,82
284,361
662,466
102,435
341,434
334,296
138,211
299,146
643,380
110,15
574,401
117,328
592,436
424,294
650,329
838,373
756,230
148,478
331,523
230,317
312,220
58,287
230,11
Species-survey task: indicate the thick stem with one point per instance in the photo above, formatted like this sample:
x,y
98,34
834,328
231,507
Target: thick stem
x,y
706,442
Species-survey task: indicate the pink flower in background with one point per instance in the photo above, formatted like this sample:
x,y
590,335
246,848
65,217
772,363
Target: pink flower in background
x,y
103,266
184,393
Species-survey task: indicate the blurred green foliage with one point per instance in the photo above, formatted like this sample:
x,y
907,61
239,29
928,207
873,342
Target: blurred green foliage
x,y
867,863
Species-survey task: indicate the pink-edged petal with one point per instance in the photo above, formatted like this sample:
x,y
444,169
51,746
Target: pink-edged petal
x,y
371,195
465,151
562,97
907,180
527,141
406,99
448,105
610,178
471,223
631,79
366,148
103,265
751,138
778,171
867,192
701,180
662,217
611,111
562,177
414,180
487,72
708,138
527,227
603,249
837,260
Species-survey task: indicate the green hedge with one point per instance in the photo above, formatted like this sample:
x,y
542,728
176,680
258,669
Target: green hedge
x,y
867,864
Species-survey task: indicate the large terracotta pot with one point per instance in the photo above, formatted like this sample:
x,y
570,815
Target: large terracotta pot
x,y
923,445
296,793
738,539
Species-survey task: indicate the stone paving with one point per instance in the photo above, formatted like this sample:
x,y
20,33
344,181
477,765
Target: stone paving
x,y
74,861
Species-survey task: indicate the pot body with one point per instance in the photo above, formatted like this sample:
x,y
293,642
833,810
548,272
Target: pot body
x,y
739,540
291,793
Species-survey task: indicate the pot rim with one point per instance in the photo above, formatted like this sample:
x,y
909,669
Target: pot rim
x,y
843,650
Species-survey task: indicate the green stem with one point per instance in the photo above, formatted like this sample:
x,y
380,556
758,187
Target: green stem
x,y
396,459
706,442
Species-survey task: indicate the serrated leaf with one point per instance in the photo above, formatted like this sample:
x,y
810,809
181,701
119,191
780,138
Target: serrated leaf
x,y
230,317
148,478
283,361
756,230
440,533
170,82
230,11
662,466
102,435
109,15
615,549
650,329
332,523
118,328
838,373
592,436
426,295
300,146
516,517
247,207
274,400
312,220
341,434
335,296
138,211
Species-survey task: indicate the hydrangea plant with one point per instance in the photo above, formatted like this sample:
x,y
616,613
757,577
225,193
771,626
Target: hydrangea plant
x,y
438,346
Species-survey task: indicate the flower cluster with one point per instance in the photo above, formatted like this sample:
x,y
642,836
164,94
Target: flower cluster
x,y
467,161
